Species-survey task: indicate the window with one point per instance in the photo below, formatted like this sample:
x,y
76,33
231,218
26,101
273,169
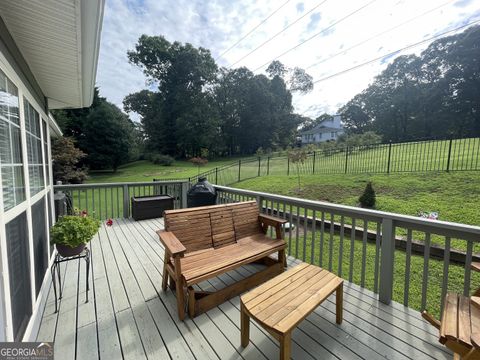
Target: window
x,y
332,134
34,148
19,274
40,245
13,182
319,136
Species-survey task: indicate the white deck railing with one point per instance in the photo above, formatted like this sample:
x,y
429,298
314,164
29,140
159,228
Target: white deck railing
x,y
412,260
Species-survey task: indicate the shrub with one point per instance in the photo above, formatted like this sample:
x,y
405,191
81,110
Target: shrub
x,y
72,230
368,198
161,159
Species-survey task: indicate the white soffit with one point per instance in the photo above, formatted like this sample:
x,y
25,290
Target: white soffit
x,y
59,40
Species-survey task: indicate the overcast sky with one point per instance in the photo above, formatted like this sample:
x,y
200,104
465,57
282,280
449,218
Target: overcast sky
x,y
339,30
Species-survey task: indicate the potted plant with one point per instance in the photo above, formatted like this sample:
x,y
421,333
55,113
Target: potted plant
x,y
72,232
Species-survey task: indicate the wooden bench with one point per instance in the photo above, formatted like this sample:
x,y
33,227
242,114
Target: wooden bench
x,y
459,327
204,242
282,303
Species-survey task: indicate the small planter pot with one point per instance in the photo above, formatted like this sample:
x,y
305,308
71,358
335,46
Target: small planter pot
x,y
67,251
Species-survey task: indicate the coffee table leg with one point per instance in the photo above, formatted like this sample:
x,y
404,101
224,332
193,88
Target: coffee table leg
x,y
244,326
285,346
339,303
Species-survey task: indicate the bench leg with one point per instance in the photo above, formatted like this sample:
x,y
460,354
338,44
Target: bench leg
x,y
282,257
339,303
179,290
244,326
165,273
285,346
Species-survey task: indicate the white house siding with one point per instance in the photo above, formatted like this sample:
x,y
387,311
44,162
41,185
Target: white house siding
x,y
26,200
328,130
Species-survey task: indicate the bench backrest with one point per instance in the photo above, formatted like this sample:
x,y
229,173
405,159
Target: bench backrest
x,y
213,226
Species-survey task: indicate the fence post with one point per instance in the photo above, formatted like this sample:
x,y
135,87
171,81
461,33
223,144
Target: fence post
x,y
313,166
449,154
216,176
288,166
387,261
268,165
389,156
259,166
183,200
126,202
346,159
239,166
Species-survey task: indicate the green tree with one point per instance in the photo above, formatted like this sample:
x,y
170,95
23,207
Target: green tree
x,y
66,161
107,133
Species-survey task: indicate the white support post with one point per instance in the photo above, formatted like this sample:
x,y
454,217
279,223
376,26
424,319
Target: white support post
x,y
387,261
183,200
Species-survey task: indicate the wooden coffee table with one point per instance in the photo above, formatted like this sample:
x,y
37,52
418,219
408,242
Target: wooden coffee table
x,y
281,303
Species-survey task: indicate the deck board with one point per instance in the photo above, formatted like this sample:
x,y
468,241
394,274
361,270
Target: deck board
x,y
129,316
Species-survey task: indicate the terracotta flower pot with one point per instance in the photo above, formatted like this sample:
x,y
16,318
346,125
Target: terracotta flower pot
x,y
67,251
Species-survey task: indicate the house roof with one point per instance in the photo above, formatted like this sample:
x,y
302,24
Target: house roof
x,y
320,129
59,41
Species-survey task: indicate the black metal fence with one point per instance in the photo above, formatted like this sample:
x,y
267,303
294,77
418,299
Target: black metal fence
x,y
418,156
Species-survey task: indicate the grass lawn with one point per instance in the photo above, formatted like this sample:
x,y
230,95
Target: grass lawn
x,y
143,171
453,195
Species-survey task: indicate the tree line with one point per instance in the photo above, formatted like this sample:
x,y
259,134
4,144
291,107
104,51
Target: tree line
x,y
433,95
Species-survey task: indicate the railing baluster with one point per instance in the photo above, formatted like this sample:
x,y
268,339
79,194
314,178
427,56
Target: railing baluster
x,y
322,232
425,271
446,266
297,232
330,246
352,249
118,204
377,259
407,267
112,210
340,249
364,252
314,227
106,202
305,224
468,264
290,228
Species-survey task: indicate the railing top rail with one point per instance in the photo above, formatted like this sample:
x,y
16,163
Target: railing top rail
x,y
117,184
464,231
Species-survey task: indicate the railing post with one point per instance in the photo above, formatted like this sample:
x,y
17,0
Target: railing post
x,y
126,202
313,166
268,165
449,154
239,167
288,166
387,261
259,203
389,157
346,159
183,199
216,176
259,166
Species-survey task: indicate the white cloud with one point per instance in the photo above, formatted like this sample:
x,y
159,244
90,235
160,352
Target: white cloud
x,y
217,24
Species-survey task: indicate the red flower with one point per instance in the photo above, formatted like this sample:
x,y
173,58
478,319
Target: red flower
x,y
84,213
109,222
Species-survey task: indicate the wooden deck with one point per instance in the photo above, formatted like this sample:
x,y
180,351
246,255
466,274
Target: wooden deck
x,y
128,316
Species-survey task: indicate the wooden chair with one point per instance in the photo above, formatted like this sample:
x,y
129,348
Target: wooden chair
x,y
460,325
204,242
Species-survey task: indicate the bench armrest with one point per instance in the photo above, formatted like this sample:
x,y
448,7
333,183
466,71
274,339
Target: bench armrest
x,y
171,243
271,220
476,266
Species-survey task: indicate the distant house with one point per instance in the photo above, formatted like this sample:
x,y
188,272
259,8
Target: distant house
x,y
328,130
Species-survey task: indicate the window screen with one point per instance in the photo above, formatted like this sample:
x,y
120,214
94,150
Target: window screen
x,y
34,148
13,183
40,245
19,274
45,151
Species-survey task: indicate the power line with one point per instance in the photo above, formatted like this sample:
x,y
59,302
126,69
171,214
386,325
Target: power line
x,y
252,30
380,34
278,33
315,35
394,52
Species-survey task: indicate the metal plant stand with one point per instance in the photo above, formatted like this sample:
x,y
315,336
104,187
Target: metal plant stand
x,y
85,254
